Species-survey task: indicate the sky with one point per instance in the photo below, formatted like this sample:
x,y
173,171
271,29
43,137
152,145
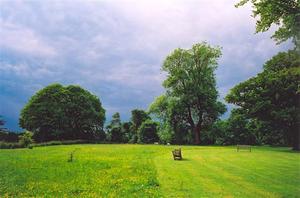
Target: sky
x,y
115,48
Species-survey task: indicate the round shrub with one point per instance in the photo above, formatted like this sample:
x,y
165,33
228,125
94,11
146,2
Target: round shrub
x,y
147,132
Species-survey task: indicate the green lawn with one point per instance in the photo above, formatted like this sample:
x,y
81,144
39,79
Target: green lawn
x,y
149,171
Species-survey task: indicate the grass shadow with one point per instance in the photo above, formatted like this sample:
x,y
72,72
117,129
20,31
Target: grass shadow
x,y
183,159
287,151
278,149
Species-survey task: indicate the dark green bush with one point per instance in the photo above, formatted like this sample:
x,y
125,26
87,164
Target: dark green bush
x,y
26,139
10,145
7,136
65,142
147,132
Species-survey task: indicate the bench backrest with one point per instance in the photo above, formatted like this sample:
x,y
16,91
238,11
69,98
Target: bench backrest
x,y
177,154
244,146
248,147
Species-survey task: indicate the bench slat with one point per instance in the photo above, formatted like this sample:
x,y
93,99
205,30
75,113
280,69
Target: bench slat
x,y
246,147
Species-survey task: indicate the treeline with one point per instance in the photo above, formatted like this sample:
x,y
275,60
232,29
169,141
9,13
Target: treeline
x,y
140,129
267,110
269,103
267,106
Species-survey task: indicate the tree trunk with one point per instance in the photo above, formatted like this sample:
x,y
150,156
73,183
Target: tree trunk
x,y
197,134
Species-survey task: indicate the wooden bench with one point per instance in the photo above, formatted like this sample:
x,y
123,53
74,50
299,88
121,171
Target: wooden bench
x,y
245,147
177,154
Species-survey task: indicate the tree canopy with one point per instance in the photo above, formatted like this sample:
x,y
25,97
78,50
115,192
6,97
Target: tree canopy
x,y
191,86
138,116
285,13
115,129
147,132
169,111
2,123
58,112
273,96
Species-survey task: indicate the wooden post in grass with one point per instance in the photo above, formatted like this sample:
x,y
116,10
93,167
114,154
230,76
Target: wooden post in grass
x,y
71,156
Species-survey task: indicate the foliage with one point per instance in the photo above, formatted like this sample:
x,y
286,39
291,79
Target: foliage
x,y
149,171
237,126
137,118
115,129
2,123
160,108
283,60
173,128
10,145
264,133
65,142
285,13
14,145
147,132
116,120
273,96
116,135
166,134
9,136
219,133
26,138
234,130
61,113
191,87
240,129
127,134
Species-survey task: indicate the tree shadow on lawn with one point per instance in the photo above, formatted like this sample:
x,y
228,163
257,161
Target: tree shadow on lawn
x,y
277,149
287,151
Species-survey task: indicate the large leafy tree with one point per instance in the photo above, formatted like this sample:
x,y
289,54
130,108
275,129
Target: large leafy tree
x,y
237,128
147,132
127,134
240,129
173,126
273,96
116,120
160,109
115,128
58,112
138,116
285,13
191,81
